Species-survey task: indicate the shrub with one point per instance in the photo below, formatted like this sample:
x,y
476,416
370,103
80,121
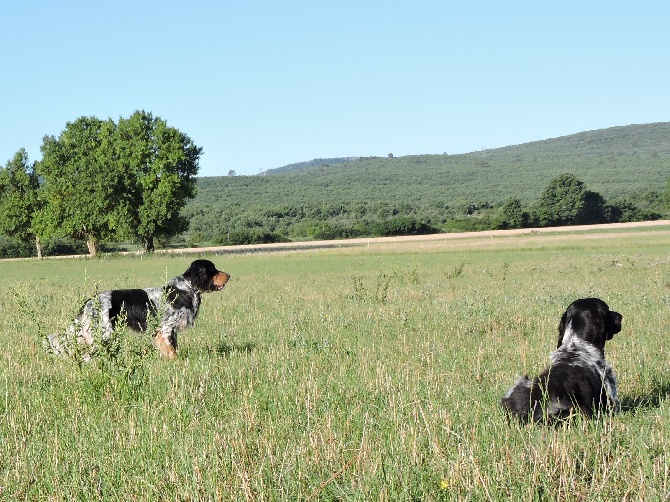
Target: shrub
x,y
402,225
51,247
328,231
248,236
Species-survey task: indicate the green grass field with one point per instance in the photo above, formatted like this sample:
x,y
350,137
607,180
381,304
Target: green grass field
x,y
363,373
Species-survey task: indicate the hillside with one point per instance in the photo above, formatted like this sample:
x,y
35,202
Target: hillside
x,y
619,162
298,166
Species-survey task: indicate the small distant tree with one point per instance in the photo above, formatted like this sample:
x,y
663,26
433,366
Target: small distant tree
x,y
512,214
160,165
82,184
232,173
623,210
594,209
561,201
19,201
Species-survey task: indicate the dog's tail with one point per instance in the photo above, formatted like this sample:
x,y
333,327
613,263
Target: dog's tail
x,y
517,401
62,344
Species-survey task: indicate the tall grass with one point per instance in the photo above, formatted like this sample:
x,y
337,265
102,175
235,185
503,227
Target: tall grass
x,y
367,373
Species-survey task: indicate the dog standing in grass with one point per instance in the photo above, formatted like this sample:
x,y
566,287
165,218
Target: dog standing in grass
x,y
173,307
578,378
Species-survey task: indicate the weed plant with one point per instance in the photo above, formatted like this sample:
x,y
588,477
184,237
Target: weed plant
x,y
368,373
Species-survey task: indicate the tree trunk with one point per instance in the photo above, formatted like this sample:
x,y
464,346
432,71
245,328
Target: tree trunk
x,y
90,243
38,245
149,244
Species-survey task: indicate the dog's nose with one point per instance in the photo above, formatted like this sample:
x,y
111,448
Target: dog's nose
x,y
221,279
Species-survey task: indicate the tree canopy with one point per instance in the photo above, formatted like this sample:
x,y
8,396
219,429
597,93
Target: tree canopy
x,y
159,165
512,214
566,201
83,187
108,181
19,202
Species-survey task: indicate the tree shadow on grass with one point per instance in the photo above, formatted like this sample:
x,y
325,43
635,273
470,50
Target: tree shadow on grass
x,y
658,392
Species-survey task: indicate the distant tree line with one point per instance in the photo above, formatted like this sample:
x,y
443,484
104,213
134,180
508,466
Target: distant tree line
x,y
565,201
100,181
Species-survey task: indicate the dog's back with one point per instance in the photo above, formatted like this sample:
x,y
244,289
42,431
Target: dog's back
x,y
134,305
578,379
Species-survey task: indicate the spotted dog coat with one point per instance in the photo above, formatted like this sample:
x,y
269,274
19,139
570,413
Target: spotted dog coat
x,y
177,303
578,378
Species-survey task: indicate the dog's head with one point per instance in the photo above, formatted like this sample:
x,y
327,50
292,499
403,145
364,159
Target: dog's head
x,y
204,276
591,320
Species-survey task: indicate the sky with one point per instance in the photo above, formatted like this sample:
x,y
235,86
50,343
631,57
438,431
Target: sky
x,y
262,84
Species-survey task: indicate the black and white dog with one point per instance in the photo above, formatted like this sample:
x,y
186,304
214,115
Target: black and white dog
x,y
172,307
578,378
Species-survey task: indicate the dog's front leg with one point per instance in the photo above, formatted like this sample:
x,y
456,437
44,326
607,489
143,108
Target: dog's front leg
x,y
166,343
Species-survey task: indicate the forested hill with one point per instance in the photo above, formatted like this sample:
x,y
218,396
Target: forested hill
x,y
298,166
629,162
620,149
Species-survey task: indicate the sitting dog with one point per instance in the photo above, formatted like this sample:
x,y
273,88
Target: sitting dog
x,y
578,378
173,307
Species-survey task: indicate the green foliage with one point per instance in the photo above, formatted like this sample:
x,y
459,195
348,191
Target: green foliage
x,y
160,164
448,192
566,201
298,166
248,236
148,189
83,186
624,210
456,272
19,188
512,215
401,225
116,365
389,227
50,247
377,293
326,231
10,248
103,181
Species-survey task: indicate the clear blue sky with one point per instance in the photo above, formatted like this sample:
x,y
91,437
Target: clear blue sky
x,y
261,84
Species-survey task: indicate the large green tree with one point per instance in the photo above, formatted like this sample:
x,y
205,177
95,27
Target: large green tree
x,y
567,201
19,202
161,164
83,185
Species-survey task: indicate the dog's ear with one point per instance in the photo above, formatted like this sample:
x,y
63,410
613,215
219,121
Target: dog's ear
x,y
561,328
612,323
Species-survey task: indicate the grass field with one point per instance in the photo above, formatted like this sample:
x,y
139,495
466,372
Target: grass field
x,y
365,373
